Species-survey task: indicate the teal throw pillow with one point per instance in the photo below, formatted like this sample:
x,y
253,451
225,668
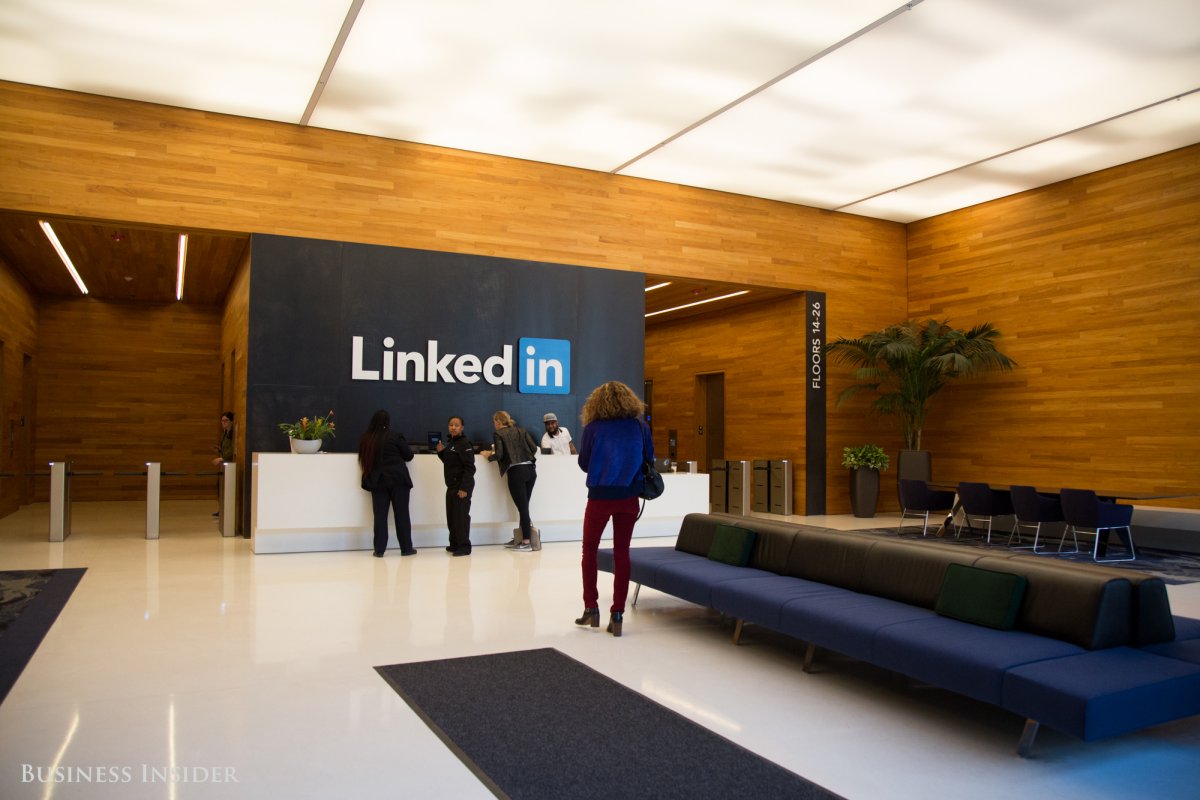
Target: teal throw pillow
x,y
982,596
732,545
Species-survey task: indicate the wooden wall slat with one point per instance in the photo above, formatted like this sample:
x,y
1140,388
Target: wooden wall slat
x,y
18,337
120,384
1095,283
103,158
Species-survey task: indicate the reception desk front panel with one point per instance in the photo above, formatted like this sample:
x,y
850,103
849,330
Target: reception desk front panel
x,y
308,503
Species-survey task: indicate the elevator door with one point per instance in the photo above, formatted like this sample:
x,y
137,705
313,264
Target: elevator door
x,y
710,418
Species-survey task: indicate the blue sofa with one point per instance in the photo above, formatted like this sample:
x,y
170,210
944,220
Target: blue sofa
x,y
1092,651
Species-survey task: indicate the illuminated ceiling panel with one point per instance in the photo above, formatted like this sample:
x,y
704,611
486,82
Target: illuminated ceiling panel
x,y
899,111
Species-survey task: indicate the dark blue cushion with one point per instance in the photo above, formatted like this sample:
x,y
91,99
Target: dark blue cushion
x,y
759,600
643,561
694,579
1102,693
960,656
843,620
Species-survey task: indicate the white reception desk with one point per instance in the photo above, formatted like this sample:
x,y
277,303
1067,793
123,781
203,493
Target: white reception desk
x,y
309,503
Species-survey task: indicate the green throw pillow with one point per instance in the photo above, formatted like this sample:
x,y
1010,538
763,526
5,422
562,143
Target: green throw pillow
x,y
982,596
732,545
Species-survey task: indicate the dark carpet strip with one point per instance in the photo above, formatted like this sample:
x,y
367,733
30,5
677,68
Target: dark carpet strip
x,y
32,601
539,724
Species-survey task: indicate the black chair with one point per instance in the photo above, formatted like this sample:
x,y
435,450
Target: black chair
x,y
981,503
1033,509
1082,509
917,500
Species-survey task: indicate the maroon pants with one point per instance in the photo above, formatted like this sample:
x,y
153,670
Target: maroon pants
x,y
595,517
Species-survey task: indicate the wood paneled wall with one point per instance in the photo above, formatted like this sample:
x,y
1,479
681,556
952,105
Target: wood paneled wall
x,y
762,349
1093,280
235,336
103,158
1095,283
120,384
18,338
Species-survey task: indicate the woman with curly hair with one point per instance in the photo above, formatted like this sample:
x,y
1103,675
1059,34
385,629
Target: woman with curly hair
x,y
614,445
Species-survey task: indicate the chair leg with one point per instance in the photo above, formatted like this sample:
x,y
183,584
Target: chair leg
x,y
1096,548
1071,530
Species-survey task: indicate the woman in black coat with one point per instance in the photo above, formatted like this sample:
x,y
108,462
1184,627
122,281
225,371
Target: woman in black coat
x,y
382,454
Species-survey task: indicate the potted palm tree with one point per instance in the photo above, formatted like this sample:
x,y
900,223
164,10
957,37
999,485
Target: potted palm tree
x,y
865,463
906,365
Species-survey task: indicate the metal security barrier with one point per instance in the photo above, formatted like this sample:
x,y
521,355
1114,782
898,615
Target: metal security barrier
x,y
729,484
60,500
781,488
154,475
718,486
740,483
228,511
773,487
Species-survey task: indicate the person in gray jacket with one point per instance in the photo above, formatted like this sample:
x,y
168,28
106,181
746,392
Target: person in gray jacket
x,y
515,450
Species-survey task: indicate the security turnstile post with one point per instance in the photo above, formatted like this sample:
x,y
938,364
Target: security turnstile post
x,y
781,487
153,496
60,500
228,511
762,486
740,481
718,486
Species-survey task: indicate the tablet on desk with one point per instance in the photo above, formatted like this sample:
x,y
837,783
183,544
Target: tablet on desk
x,y
435,438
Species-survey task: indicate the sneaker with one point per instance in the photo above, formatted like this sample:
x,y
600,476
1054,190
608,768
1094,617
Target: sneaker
x,y
523,548
513,545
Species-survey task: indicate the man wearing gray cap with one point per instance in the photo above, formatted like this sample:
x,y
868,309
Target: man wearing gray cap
x,y
556,441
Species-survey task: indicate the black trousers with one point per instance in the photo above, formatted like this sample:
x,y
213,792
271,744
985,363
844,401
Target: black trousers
x,y
458,520
397,498
521,478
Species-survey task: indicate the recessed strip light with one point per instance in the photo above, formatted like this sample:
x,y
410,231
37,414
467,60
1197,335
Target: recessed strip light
x,y
182,264
66,259
698,303
658,286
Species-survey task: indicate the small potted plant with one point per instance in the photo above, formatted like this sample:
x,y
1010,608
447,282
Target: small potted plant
x,y
865,463
306,434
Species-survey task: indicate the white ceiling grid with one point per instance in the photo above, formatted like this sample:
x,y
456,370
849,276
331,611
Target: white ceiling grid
x,y
897,111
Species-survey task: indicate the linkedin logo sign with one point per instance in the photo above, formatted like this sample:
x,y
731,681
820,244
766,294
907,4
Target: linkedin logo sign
x,y
544,365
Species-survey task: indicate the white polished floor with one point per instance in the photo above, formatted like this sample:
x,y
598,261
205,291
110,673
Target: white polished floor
x,y
191,652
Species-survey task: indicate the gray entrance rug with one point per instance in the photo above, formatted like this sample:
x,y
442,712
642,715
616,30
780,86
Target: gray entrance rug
x,y
30,601
568,731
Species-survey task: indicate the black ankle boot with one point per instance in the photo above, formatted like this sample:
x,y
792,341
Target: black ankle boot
x,y
614,622
591,616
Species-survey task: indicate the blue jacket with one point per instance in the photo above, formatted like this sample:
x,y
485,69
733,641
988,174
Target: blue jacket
x,y
612,453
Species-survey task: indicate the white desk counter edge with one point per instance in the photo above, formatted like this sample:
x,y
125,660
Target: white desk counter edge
x,y
313,503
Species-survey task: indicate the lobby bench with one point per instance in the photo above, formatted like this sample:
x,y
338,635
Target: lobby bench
x,y
1091,651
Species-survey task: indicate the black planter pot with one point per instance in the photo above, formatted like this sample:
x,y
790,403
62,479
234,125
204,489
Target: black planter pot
x,y
864,491
916,464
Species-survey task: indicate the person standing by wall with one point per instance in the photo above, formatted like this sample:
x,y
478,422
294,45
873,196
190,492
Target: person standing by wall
x,y
615,444
556,440
382,455
224,450
458,468
515,450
